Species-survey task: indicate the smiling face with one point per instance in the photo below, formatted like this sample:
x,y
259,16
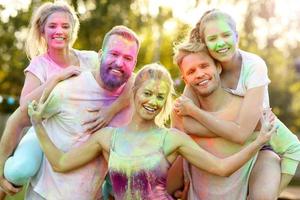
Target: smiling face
x,y
58,31
118,60
201,73
150,98
220,40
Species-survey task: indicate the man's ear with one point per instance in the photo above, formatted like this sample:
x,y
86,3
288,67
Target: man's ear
x,y
100,53
219,68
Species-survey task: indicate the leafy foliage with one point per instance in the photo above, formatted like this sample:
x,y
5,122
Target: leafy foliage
x,y
157,43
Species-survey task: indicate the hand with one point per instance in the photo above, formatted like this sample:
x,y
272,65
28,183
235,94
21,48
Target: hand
x,y
35,112
183,105
102,117
268,119
8,188
183,194
68,72
268,126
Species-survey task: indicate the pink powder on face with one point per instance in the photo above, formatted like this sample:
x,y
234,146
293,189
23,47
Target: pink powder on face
x,y
118,61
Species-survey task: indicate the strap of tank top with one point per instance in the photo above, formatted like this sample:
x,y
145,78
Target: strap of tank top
x,y
113,139
164,134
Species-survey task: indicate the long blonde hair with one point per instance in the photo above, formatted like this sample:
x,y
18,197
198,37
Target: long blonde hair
x,y
35,43
155,71
197,33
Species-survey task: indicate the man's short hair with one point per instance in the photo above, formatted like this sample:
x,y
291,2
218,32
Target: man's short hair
x,y
122,31
184,49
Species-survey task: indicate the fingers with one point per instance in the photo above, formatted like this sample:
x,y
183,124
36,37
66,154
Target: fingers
x,y
44,96
177,110
90,121
74,71
31,108
93,109
96,125
99,126
8,188
182,194
89,124
69,72
178,194
93,123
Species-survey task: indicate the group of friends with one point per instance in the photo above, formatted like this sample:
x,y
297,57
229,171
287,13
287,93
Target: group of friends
x,y
98,130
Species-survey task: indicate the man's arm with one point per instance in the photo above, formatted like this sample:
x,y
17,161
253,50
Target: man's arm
x,y
189,125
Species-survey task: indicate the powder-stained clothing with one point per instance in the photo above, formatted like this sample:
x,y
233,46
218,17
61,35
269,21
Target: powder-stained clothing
x,y
66,110
204,185
210,187
254,74
136,177
43,67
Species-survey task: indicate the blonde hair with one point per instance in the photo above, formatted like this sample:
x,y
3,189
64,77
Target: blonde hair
x,y
123,31
155,71
35,43
197,33
183,49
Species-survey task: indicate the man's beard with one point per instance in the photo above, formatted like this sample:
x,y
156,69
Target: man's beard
x,y
112,81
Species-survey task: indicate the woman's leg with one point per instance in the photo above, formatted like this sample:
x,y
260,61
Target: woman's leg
x,y
265,176
26,160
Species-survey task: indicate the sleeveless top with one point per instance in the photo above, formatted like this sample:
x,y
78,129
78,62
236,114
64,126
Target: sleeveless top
x,y
141,177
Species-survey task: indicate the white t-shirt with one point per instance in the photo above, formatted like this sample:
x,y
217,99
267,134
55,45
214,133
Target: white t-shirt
x,y
43,67
66,110
64,126
254,73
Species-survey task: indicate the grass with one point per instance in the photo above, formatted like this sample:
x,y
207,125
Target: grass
x,y
19,196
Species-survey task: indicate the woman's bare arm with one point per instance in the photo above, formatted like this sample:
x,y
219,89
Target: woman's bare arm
x,y
182,144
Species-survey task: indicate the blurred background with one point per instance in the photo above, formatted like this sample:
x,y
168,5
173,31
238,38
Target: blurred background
x,y
269,28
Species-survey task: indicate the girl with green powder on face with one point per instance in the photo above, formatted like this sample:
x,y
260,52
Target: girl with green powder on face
x,y
52,33
141,153
245,74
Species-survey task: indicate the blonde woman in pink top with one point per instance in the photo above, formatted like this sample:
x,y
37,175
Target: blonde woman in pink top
x,y
53,31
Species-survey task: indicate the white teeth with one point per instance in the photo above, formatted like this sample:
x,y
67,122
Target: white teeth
x,y
116,71
203,82
223,50
59,38
149,109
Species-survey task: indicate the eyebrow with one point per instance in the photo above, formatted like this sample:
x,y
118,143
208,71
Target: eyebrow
x,y
64,23
162,93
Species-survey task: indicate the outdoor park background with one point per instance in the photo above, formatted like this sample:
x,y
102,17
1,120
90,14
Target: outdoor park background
x,y
269,28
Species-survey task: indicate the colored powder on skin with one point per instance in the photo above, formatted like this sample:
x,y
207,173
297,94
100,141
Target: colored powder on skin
x,y
133,176
216,27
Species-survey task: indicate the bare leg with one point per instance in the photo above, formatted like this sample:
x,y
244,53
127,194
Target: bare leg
x,y
2,195
265,177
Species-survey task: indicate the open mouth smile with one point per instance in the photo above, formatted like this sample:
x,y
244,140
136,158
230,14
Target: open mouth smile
x,y
150,109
